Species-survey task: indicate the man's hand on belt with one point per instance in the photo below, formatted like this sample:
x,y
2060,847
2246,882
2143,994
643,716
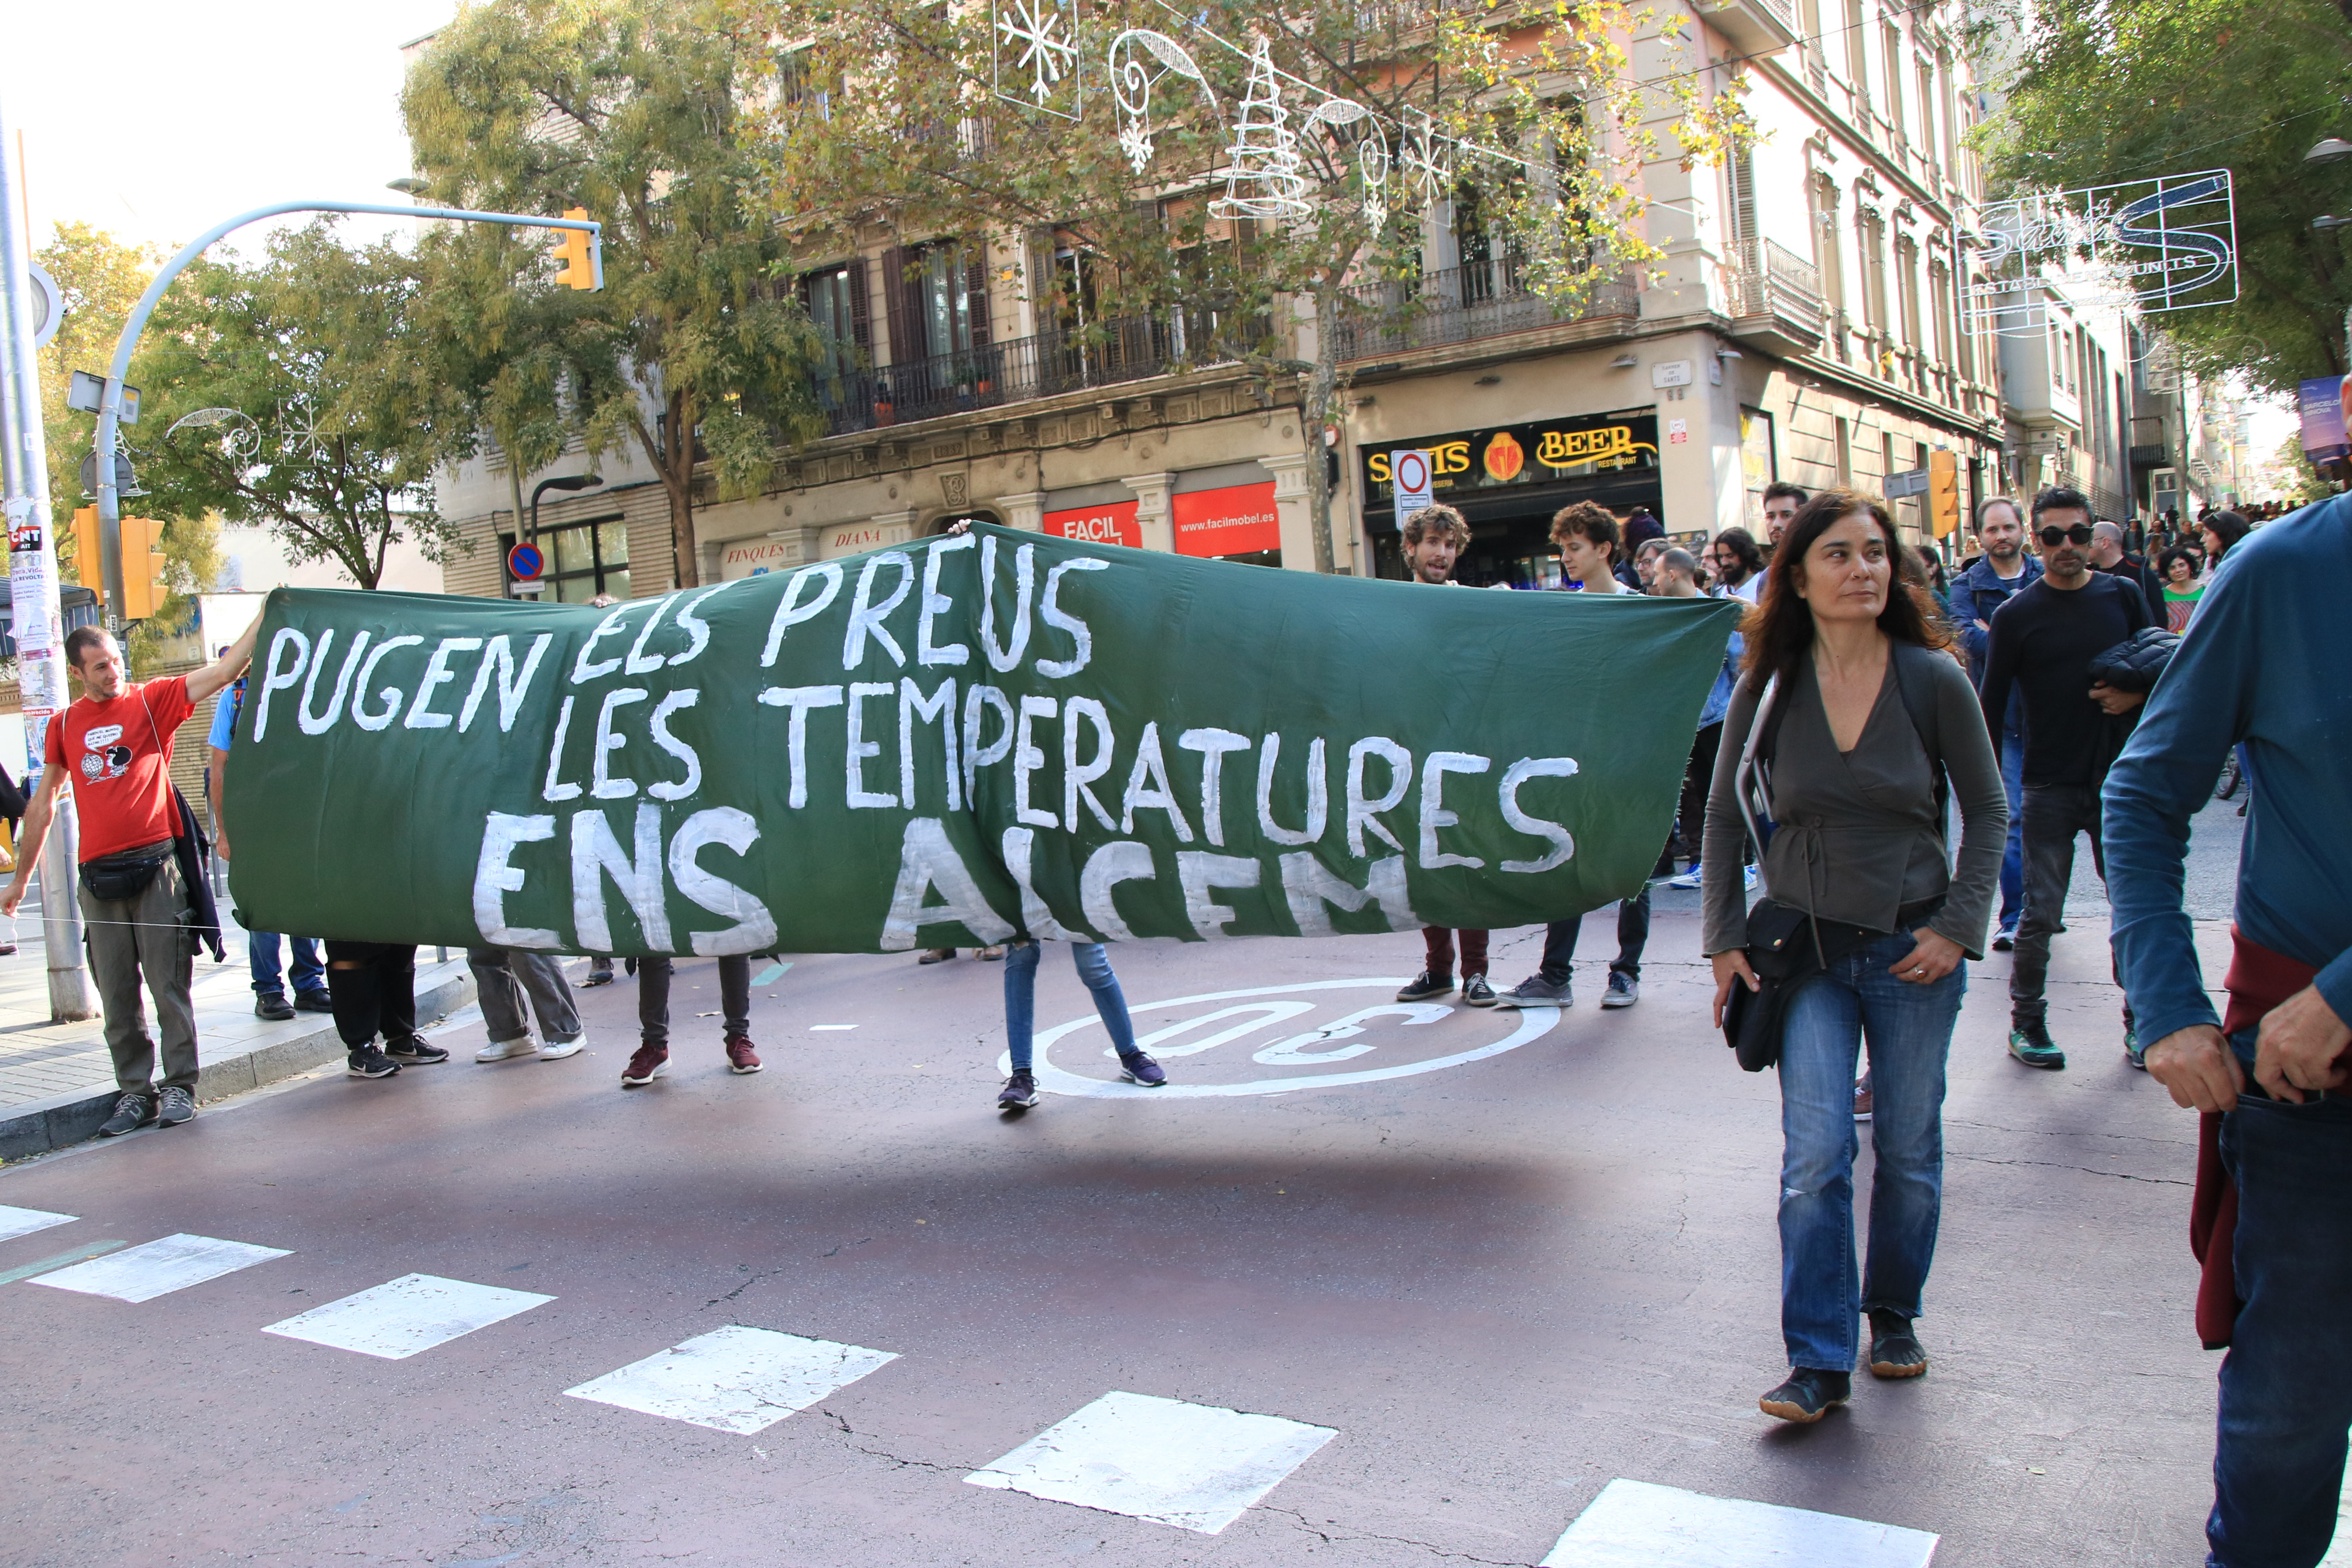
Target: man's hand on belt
x,y
2296,1052
2197,1066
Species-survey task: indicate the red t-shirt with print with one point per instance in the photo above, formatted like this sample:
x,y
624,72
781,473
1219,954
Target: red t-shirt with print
x,y
118,757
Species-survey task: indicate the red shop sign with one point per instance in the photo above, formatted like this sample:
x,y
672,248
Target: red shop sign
x,y
1111,524
1236,520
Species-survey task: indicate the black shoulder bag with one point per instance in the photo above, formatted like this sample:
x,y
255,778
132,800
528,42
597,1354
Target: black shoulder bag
x,y
1753,1020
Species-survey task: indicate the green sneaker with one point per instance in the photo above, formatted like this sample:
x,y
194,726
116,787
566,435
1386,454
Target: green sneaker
x,y
2030,1043
2133,1052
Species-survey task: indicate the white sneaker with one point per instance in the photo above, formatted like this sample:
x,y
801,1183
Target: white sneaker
x,y
507,1050
1687,880
1749,878
556,1050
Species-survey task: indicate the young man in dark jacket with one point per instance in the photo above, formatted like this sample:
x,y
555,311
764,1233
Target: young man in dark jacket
x,y
2044,640
2004,568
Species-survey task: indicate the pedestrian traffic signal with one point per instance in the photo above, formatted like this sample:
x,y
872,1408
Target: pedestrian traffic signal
x,y
1944,492
86,558
571,249
143,588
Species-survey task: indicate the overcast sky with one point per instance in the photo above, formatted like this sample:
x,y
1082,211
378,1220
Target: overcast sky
x,y
157,121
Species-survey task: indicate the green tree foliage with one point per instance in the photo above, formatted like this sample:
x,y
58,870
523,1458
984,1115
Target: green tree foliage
x,y
325,405
101,277
886,116
635,111
2141,88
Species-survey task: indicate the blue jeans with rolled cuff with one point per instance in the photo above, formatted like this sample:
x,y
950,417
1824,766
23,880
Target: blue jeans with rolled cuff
x,y
269,980
1021,997
1908,1029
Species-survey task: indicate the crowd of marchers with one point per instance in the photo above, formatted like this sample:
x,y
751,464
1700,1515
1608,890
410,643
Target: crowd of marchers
x,y
1898,760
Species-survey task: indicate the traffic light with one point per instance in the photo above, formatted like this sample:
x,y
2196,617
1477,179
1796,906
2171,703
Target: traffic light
x,y
571,249
1944,492
143,589
93,574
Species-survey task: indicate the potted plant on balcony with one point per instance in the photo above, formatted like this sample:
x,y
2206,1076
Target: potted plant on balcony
x,y
883,414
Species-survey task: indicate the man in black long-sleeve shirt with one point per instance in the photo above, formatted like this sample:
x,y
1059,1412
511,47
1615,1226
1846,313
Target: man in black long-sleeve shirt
x,y
2042,642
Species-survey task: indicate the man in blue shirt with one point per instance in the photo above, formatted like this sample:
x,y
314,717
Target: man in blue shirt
x,y
2255,670
2005,568
262,946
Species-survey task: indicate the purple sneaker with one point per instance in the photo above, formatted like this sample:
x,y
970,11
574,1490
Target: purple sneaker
x,y
1138,1068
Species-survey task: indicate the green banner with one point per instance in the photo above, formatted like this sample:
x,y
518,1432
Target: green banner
x,y
954,742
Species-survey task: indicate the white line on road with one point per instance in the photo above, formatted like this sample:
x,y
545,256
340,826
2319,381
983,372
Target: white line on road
x,y
1665,1527
734,1379
1198,1467
159,1268
398,1319
817,1027
15,1222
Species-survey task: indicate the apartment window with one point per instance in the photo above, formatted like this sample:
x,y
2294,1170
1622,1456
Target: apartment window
x,y
1893,108
585,558
1857,52
1844,451
1741,172
937,297
1873,234
1809,17
834,298
1828,255
1949,117
1906,274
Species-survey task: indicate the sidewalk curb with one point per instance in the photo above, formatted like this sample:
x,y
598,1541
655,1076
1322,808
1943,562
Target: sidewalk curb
x,y
67,1119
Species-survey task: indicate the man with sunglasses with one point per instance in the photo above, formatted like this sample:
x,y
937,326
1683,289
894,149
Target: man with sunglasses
x,y
2042,644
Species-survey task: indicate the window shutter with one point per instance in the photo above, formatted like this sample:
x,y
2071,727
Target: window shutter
x,y
861,322
906,346
975,287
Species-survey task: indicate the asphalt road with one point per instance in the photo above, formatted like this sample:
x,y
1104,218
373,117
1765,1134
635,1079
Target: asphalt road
x,y
1501,1283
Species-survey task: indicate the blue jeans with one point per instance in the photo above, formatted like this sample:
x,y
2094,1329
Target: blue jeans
x,y
2286,1384
2012,856
261,953
1909,1029
1021,996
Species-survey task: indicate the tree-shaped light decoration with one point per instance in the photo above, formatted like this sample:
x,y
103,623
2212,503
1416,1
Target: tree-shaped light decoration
x,y
1132,78
1262,178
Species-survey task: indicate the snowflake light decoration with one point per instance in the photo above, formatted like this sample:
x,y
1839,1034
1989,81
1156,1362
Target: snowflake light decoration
x,y
298,434
1038,39
1428,156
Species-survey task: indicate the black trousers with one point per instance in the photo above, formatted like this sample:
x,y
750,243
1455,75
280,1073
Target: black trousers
x,y
2053,815
1632,936
653,998
373,985
1698,779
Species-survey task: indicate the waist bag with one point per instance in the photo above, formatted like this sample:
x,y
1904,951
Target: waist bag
x,y
119,878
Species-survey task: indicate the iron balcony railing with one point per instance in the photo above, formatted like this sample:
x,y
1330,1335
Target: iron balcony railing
x,y
1460,304
1770,278
1045,365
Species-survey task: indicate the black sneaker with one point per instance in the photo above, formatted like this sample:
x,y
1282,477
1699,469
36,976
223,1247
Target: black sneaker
x,y
1426,984
1808,1395
1535,991
1139,1069
2030,1042
132,1113
1894,1349
176,1106
1624,990
317,1001
369,1062
1476,992
599,974
416,1051
1019,1093
273,1006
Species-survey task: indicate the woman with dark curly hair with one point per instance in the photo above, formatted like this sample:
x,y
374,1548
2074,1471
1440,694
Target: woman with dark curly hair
x,y
1858,717
2177,568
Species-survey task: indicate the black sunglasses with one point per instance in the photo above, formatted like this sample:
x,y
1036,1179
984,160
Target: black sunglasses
x,y
2078,535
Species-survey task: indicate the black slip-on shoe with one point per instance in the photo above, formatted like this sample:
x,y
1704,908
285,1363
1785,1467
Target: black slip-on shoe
x,y
1808,1395
1894,1349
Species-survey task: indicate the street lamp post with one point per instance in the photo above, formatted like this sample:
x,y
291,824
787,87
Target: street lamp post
x,y
561,482
109,409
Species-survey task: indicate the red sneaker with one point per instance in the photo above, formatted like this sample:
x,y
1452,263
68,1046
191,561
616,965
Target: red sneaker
x,y
740,1056
649,1063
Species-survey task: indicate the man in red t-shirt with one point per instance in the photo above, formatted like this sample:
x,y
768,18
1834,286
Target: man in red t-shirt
x,y
113,746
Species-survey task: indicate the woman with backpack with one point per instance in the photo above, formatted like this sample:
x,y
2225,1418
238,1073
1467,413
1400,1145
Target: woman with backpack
x,y
1847,723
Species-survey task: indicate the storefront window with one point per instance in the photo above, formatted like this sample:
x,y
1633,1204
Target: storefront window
x,y
585,558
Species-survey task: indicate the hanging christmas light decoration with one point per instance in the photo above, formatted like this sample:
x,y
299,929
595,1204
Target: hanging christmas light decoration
x,y
1132,78
1038,38
1262,177
1371,152
1428,156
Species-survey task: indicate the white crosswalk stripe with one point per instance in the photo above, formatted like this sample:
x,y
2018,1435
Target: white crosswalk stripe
x,y
401,1317
1198,1467
734,1379
1634,1524
15,1222
159,1268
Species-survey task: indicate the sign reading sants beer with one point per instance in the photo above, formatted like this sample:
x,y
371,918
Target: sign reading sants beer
x,y
953,741
1520,455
